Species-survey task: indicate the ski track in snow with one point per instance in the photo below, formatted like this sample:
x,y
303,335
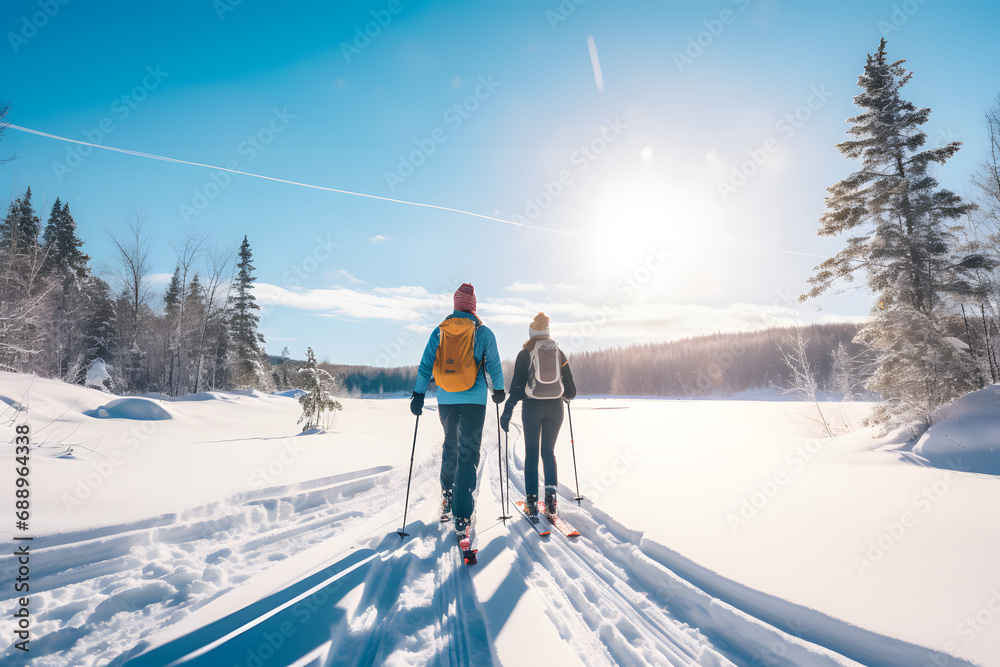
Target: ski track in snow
x,y
605,595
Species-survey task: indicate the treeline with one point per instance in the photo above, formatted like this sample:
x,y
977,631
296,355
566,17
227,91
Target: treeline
x,y
725,363
350,380
58,319
714,365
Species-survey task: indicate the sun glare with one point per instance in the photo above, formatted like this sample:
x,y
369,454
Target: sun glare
x,y
630,219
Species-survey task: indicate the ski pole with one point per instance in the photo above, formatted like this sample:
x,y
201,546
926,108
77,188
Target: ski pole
x,y
572,445
507,466
402,531
503,512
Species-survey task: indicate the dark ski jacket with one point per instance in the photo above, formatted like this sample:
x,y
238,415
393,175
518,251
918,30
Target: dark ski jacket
x,y
521,364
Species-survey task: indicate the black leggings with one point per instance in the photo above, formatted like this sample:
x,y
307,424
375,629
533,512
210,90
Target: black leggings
x,y
541,419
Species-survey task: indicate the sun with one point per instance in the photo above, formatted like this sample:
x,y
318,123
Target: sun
x,y
630,218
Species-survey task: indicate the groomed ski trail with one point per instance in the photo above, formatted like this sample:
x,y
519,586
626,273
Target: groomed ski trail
x,y
422,608
610,595
615,604
128,581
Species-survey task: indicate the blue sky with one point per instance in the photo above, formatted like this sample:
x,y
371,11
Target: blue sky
x,y
491,108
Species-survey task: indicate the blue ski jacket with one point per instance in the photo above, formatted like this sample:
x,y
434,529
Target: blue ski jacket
x,y
485,344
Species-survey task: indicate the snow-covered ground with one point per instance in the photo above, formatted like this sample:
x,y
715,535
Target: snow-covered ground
x,y
206,530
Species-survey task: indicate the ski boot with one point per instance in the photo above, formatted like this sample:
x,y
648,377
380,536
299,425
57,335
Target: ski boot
x,y
446,506
531,505
550,500
461,528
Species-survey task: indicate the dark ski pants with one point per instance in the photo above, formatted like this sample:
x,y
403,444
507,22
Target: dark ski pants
x,y
463,435
541,419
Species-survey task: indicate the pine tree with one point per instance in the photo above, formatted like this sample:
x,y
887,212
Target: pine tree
x,y
25,303
898,217
99,331
64,255
318,405
20,227
98,336
172,295
68,268
248,360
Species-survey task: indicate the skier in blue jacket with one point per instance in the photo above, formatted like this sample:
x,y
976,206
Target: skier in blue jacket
x,y
462,413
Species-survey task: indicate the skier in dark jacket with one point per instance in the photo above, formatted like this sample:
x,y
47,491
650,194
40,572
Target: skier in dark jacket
x,y
541,417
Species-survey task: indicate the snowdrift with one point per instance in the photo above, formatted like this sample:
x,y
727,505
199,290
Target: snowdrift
x,y
11,402
966,435
291,393
130,408
200,396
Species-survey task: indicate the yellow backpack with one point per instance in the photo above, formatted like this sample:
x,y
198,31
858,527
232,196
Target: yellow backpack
x,y
455,367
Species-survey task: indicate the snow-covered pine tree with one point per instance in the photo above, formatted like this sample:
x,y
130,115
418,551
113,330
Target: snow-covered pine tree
x,y
849,371
898,219
248,359
98,331
172,295
67,266
170,335
65,255
25,306
319,407
21,226
189,334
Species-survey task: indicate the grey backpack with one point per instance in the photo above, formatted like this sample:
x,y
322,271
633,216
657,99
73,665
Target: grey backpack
x,y
544,371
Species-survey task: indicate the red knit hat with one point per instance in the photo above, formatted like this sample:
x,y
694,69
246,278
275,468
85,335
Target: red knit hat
x,y
465,298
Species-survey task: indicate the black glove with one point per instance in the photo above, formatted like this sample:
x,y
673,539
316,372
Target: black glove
x,y
417,404
505,420
498,395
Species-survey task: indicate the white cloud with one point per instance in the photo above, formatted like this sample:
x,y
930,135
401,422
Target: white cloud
x,y
159,278
402,304
378,238
577,325
351,278
518,286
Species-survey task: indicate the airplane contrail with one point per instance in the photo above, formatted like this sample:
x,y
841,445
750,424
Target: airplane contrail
x,y
279,180
595,63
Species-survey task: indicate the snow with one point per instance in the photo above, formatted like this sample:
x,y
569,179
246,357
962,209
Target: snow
x,y
713,533
291,393
130,408
966,434
97,374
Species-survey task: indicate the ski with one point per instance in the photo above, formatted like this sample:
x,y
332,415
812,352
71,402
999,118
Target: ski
x,y
535,522
468,553
556,520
